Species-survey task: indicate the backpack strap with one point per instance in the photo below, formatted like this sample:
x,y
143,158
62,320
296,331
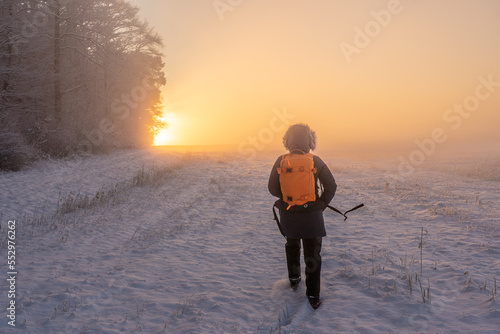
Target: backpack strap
x,y
337,210
298,149
355,208
345,213
277,220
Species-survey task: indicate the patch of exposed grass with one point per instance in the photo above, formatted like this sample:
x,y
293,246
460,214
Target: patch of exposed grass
x,y
110,195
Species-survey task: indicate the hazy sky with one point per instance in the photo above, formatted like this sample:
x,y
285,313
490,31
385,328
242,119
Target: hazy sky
x,y
358,72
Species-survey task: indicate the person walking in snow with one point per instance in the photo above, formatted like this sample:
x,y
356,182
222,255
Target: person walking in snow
x,y
305,186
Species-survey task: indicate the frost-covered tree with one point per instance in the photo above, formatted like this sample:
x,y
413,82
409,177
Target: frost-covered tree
x,y
14,98
78,73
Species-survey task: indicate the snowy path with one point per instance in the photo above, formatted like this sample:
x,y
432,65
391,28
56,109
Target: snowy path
x,y
197,251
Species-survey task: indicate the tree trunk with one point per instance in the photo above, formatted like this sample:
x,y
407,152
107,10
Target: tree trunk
x,y
10,14
57,62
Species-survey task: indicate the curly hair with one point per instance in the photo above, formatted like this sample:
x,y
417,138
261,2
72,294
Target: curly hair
x,y
297,132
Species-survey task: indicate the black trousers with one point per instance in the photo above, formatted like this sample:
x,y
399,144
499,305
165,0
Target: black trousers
x,y
312,258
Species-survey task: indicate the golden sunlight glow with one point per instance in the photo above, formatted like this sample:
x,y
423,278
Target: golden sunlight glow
x,y
168,135
362,74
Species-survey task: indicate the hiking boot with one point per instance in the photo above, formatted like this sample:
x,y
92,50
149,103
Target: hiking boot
x,y
294,283
314,301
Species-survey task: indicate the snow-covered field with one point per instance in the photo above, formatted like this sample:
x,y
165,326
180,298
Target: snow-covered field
x,y
158,242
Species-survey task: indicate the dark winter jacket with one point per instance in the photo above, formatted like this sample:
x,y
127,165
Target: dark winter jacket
x,y
299,222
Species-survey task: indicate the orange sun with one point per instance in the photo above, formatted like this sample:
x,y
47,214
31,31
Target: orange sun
x,y
168,135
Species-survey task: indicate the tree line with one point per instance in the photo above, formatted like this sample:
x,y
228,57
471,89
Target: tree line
x,y
76,77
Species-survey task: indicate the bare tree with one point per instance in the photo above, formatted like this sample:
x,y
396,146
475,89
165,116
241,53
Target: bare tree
x,y
67,66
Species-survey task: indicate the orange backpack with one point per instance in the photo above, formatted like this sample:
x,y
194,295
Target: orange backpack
x,y
296,173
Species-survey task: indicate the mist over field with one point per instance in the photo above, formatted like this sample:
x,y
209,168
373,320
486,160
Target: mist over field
x,y
372,76
364,74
